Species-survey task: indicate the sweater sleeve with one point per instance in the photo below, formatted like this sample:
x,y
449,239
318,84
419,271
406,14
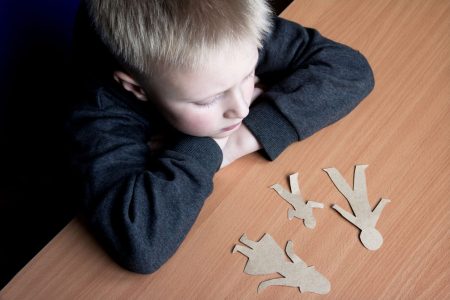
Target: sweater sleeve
x,y
312,81
140,208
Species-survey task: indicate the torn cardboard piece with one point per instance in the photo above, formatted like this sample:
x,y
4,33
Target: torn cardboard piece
x,y
266,257
364,218
301,210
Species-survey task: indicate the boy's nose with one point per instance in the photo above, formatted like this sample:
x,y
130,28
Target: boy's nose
x,y
237,107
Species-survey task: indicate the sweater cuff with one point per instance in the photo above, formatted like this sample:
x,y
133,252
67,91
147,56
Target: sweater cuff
x,y
270,128
203,149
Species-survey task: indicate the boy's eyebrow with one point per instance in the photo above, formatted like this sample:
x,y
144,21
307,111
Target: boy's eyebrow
x,y
215,94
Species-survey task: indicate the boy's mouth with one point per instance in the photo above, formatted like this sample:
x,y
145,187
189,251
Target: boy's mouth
x,y
232,127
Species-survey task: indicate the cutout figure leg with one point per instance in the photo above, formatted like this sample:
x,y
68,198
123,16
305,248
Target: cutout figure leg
x,y
359,180
295,200
360,203
284,193
339,182
293,182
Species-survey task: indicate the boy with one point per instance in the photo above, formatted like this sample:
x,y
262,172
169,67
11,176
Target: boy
x,y
178,105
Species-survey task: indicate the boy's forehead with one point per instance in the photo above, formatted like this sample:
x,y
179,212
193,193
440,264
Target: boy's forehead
x,y
221,70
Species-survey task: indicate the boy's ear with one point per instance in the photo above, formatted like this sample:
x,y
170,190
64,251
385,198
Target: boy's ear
x,y
130,85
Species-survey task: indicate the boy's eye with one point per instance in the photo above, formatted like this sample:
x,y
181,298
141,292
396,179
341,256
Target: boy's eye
x,y
214,99
211,101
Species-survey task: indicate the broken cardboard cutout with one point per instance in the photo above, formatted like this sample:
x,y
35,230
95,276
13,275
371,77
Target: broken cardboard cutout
x,y
364,218
301,210
266,257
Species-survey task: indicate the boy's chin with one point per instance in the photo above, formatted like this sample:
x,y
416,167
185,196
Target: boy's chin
x,y
222,135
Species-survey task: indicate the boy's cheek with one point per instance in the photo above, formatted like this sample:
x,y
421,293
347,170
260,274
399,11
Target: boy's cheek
x,y
196,126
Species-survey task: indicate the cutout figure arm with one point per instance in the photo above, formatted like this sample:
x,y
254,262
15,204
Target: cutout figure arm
x,y
314,204
292,256
378,209
244,250
275,281
248,242
351,218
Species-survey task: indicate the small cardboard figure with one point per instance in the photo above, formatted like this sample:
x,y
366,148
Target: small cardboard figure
x,y
266,257
301,210
364,218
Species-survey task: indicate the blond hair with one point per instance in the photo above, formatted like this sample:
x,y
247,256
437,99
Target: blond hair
x,y
176,33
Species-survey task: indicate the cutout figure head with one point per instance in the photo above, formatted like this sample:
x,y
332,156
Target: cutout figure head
x,y
371,238
310,222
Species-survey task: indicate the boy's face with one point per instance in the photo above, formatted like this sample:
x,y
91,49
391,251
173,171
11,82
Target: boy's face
x,y
211,101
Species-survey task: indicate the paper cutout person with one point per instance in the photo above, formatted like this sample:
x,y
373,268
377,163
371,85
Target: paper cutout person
x,y
301,210
266,257
364,218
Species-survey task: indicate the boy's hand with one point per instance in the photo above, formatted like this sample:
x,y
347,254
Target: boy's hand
x,y
240,143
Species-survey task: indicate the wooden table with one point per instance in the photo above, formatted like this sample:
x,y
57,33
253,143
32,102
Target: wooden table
x,y
402,130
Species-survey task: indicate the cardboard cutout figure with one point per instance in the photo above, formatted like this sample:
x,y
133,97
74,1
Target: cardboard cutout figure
x,y
301,210
266,257
364,218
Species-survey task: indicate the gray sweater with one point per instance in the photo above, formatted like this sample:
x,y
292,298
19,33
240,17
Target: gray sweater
x,y
139,204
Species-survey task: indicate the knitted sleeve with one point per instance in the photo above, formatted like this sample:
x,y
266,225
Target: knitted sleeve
x,y
140,208
312,82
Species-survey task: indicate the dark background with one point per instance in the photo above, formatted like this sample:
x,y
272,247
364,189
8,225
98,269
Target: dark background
x,y
36,89
35,40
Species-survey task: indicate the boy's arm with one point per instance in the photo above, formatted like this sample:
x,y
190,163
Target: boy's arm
x,y
312,82
140,208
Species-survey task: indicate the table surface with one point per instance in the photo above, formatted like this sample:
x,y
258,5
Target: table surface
x,y
401,130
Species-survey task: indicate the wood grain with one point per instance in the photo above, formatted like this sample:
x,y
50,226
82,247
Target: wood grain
x,y
402,131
